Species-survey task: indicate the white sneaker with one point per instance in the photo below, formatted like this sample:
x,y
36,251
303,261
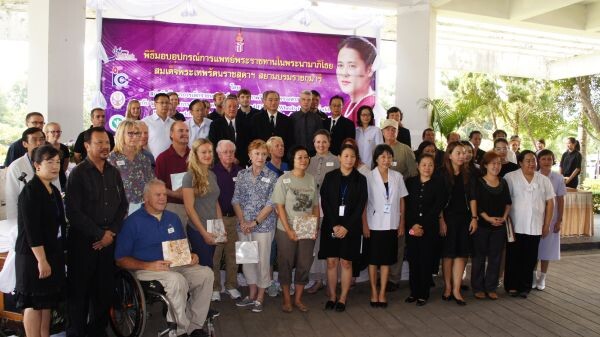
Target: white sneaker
x,y
234,293
258,307
535,280
216,296
541,282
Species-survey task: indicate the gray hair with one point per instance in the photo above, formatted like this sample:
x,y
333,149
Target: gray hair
x,y
222,143
306,92
152,182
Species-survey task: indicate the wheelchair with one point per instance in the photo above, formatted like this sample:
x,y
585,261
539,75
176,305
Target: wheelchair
x,y
132,301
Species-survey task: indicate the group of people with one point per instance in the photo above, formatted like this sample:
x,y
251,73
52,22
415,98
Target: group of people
x,y
320,196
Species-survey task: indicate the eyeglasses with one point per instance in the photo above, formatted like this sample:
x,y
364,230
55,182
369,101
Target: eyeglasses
x,y
133,134
56,132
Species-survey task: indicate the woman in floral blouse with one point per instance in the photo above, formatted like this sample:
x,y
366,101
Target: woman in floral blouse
x,y
135,168
254,209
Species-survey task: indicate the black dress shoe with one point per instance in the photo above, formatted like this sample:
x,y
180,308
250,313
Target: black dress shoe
x,y
340,307
410,299
523,294
374,304
461,303
383,304
447,298
421,302
329,305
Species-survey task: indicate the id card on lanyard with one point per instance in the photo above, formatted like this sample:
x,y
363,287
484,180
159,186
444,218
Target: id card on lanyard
x,y
387,207
342,208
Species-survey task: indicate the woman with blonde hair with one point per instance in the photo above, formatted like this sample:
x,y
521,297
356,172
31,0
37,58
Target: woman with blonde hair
x,y
53,132
134,110
200,198
135,168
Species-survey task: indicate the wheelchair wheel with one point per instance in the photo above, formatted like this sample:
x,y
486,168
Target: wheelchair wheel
x,y
128,312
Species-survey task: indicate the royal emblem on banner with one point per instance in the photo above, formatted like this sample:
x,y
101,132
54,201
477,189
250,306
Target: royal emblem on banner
x,y
239,42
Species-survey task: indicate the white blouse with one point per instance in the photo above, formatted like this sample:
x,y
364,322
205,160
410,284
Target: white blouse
x,y
528,201
366,141
383,209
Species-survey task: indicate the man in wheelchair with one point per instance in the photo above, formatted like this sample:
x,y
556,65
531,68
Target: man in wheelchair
x,y
139,248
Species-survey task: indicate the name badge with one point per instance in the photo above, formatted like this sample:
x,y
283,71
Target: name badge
x,y
120,162
287,180
394,163
342,209
267,180
387,208
171,230
234,179
329,164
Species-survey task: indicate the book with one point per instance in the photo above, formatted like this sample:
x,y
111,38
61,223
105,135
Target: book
x,y
305,226
177,252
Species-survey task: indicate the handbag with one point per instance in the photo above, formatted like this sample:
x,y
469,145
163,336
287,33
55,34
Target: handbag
x,y
246,252
510,230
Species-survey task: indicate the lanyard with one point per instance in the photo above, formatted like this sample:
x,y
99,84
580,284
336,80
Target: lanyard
x,y
344,193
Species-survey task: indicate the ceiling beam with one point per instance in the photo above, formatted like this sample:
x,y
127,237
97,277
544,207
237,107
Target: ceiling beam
x,y
574,66
592,22
525,9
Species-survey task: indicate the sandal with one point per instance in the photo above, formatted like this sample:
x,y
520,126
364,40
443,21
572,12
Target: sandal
x,y
287,308
301,306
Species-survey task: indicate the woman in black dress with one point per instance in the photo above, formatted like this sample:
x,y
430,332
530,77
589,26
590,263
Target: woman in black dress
x,y
501,148
570,163
343,198
457,222
39,260
423,206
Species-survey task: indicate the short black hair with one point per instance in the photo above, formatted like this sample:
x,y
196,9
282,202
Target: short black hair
x,y
473,133
94,110
44,152
394,109
336,97
315,93
159,95
522,155
379,150
30,131
87,134
498,132
194,102
423,134
500,140
293,152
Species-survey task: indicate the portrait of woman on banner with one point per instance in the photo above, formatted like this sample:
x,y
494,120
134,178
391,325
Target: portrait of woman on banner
x,y
356,65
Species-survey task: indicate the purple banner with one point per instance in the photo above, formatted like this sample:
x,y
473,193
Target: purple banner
x,y
147,57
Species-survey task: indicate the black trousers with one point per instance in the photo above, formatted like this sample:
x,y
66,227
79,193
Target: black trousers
x,y
488,243
521,258
420,252
90,280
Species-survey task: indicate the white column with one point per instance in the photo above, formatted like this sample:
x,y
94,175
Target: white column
x,y
55,88
415,67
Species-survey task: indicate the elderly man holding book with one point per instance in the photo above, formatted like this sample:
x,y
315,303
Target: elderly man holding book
x,y
153,244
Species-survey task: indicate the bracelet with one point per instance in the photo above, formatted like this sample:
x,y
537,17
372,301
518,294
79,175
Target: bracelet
x,y
475,217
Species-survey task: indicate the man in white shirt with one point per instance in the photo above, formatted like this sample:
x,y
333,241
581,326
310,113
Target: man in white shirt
x,y
199,125
159,125
18,173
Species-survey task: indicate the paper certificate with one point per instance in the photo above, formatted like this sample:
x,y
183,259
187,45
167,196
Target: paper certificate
x,y
176,180
177,252
305,227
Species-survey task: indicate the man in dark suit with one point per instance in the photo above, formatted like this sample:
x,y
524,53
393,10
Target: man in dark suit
x,y
403,133
314,105
217,113
306,123
226,127
338,126
271,122
244,123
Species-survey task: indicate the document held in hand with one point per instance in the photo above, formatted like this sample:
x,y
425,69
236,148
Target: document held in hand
x,y
305,227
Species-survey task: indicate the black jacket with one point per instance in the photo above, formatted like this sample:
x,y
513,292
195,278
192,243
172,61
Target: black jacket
x,y
344,128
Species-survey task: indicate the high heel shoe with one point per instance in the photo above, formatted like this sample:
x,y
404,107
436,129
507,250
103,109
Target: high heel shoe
x,y
447,298
461,303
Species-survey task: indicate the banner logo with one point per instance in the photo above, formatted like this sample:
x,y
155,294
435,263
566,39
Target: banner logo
x,y
114,121
239,42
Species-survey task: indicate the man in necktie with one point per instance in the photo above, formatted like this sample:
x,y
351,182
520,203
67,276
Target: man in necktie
x,y
339,126
226,127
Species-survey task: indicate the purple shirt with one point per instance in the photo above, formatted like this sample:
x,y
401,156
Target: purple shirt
x,y
226,182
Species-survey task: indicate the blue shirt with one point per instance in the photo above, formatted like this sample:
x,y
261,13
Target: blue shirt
x,y
278,172
142,235
252,194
